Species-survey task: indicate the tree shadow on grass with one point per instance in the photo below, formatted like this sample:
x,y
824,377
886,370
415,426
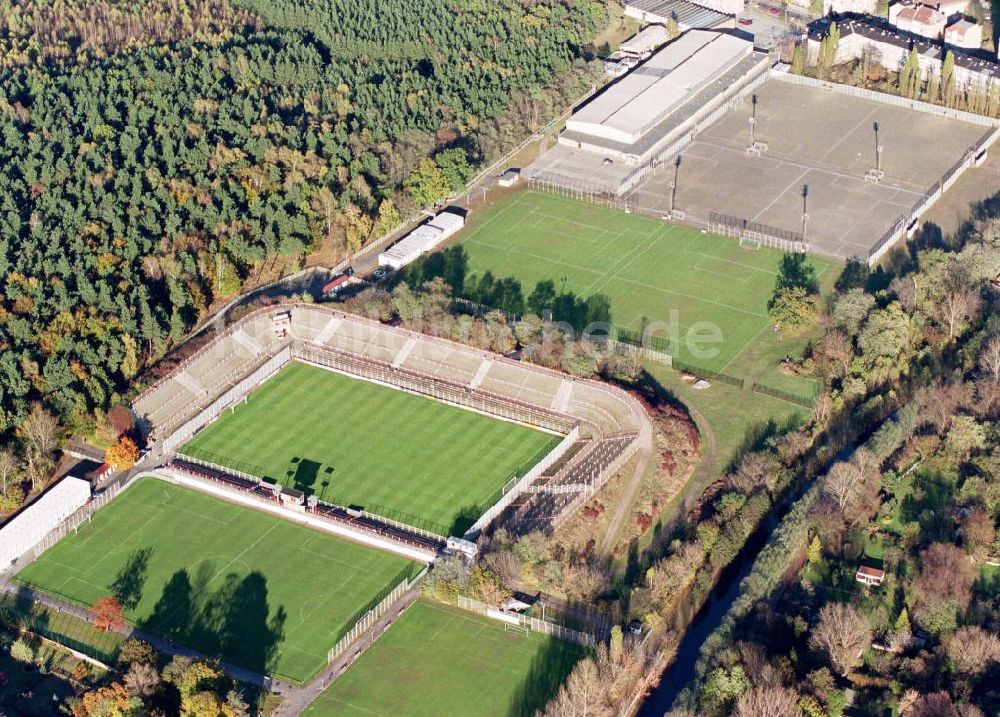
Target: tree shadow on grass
x,y
549,669
233,622
305,475
130,580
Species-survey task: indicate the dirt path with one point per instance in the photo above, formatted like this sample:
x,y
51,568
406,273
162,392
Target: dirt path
x,y
621,510
702,476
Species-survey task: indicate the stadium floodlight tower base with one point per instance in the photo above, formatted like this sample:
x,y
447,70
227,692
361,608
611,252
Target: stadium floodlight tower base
x,y
874,175
756,149
677,214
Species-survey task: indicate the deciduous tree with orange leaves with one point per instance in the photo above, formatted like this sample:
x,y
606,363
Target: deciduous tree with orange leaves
x,y
107,614
122,455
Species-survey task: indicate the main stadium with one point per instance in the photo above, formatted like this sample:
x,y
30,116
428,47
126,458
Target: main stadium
x,y
309,466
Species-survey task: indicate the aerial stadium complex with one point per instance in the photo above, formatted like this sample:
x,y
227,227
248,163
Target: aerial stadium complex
x,y
304,442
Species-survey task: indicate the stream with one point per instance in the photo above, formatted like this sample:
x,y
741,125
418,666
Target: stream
x,y
681,671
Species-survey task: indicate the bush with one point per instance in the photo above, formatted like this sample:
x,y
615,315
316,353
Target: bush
x,y
22,651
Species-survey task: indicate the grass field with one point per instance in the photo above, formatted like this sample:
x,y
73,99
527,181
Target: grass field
x,y
357,443
437,660
651,270
229,581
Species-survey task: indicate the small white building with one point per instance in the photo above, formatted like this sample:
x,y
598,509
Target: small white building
x,y
861,7
510,177
27,529
642,44
964,33
448,223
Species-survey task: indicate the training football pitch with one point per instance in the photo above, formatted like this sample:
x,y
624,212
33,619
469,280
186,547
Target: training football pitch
x,y
439,660
353,442
651,270
229,581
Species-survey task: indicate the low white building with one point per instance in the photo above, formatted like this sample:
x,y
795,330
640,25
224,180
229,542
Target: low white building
x,y
27,529
965,34
421,240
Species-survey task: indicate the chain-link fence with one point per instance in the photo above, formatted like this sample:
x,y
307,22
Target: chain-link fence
x,y
527,623
371,614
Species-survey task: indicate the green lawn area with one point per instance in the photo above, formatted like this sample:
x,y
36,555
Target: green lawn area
x,y
353,442
230,581
648,268
438,660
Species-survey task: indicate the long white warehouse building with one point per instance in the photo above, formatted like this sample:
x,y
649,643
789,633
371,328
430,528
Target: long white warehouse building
x,y
421,240
630,108
26,530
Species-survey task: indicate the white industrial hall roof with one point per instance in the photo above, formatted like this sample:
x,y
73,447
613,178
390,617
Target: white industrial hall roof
x,y
27,528
646,40
638,102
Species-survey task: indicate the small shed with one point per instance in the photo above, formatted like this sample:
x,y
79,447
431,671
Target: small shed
x,y
870,576
510,177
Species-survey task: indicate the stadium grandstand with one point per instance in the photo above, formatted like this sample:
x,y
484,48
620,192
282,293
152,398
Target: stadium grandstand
x,y
29,527
628,127
607,421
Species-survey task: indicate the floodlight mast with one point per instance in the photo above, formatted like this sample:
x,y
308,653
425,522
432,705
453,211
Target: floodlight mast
x,y
805,210
673,184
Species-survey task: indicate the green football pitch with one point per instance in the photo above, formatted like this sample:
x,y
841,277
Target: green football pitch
x,y
438,660
228,581
353,442
651,270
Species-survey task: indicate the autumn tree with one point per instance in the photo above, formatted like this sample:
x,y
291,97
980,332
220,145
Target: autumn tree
x,y
756,470
989,358
943,587
978,532
770,701
972,649
142,680
122,455
112,700
39,433
107,614
815,553
842,633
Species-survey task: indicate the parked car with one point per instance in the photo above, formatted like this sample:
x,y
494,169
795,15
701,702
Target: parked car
x,y
774,11
745,21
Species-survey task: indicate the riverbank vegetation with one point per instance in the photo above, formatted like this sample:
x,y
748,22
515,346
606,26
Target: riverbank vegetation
x,y
912,508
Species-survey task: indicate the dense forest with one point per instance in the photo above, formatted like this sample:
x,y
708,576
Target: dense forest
x,y
150,166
